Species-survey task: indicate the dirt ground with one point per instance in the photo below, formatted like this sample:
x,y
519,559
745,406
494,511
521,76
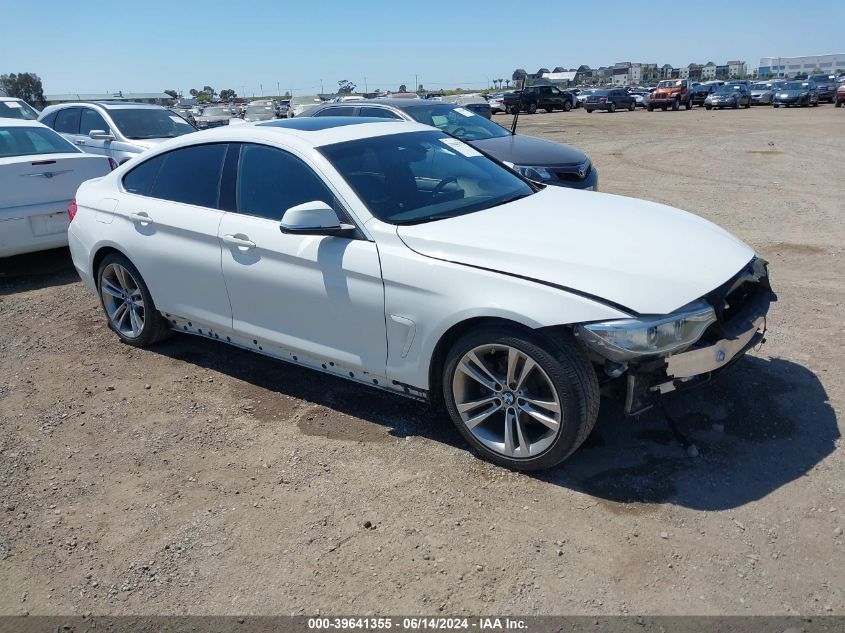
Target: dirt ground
x,y
193,478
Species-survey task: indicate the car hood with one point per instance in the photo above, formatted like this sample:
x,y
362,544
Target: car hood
x,y
645,257
214,118
792,93
528,150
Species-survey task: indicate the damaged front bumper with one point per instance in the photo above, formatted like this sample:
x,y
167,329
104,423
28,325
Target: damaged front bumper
x,y
740,306
727,343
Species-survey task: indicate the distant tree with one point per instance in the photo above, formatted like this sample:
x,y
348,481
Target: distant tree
x,y
817,71
173,94
420,88
403,88
26,86
345,87
193,92
209,91
227,95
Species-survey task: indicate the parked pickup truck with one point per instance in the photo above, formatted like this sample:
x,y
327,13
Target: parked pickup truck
x,y
533,98
672,93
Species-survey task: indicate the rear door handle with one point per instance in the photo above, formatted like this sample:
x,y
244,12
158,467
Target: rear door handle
x,y
243,243
141,218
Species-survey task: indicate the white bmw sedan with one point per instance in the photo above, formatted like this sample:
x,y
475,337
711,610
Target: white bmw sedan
x,y
399,257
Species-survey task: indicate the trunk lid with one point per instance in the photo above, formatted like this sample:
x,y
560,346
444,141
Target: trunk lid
x,y
35,180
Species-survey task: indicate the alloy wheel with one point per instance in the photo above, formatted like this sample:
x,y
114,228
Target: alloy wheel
x,y
507,401
123,300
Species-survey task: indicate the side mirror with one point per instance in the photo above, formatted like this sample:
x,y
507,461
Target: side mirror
x,y
100,135
314,218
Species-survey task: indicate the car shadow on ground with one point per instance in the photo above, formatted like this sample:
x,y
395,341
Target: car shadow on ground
x,y
34,271
758,426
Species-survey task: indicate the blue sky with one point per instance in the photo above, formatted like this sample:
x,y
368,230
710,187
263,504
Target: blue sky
x,y
152,45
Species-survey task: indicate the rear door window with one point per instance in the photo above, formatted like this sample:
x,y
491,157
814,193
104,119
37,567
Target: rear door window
x,y
141,179
380,113
338,111
67,121
191,175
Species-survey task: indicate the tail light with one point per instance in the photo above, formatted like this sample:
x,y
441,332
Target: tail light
x,y
112,163
71,209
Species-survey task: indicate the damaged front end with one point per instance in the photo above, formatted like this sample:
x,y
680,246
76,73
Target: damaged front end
x,y
658,355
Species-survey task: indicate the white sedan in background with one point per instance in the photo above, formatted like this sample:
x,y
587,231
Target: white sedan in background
x,y
39,174
394,255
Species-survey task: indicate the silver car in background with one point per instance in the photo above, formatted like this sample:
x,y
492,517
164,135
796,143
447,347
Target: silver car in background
x,y
213,116
114,128
260,112
303,103
763,92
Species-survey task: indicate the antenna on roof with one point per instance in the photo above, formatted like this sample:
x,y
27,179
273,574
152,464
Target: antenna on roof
x,y
518,108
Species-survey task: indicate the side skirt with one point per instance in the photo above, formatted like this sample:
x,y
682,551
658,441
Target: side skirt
x,y
179,324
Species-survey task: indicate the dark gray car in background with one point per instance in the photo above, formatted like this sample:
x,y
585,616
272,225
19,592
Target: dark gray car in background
x,y
536,159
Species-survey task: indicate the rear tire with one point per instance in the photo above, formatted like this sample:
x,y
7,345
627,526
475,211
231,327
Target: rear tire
x,y
532,108
611,107
513,423
632,106
650,108
708,107
567,105
676,105
127,303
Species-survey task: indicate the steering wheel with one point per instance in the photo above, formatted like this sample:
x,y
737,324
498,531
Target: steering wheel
x,y
440,185
459,131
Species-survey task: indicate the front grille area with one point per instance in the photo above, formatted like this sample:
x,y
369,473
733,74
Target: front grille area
x,y
738,301
571,174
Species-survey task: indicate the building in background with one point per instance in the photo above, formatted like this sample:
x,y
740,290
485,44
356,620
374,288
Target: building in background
x,y
158,98
791,66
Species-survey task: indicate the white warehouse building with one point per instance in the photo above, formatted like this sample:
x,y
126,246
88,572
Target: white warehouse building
x,y
791,66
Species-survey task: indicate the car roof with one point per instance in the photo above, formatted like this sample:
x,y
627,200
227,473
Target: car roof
x,y
302,131
400,104
109,105
10,99
20,123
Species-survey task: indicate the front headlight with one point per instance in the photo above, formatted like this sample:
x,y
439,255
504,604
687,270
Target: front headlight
x,y
629,339
533,173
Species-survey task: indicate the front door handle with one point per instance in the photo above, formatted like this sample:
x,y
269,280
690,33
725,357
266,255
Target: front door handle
x,y
242,243
141,218
80,142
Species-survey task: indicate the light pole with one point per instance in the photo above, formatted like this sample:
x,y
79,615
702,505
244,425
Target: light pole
x,y
279,88
262,89
321,87
416,82
366,89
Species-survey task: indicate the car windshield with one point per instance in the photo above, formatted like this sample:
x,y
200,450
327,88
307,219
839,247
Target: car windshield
x,y
820,78
459,122
145,123
417,177
795,85
600,93
216,112
17,109
729,88
29,141
260,109
669,84
761,87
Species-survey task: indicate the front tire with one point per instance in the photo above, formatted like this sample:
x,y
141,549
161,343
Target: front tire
x,y
611,107
127,303
567,105
523,400
532,108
